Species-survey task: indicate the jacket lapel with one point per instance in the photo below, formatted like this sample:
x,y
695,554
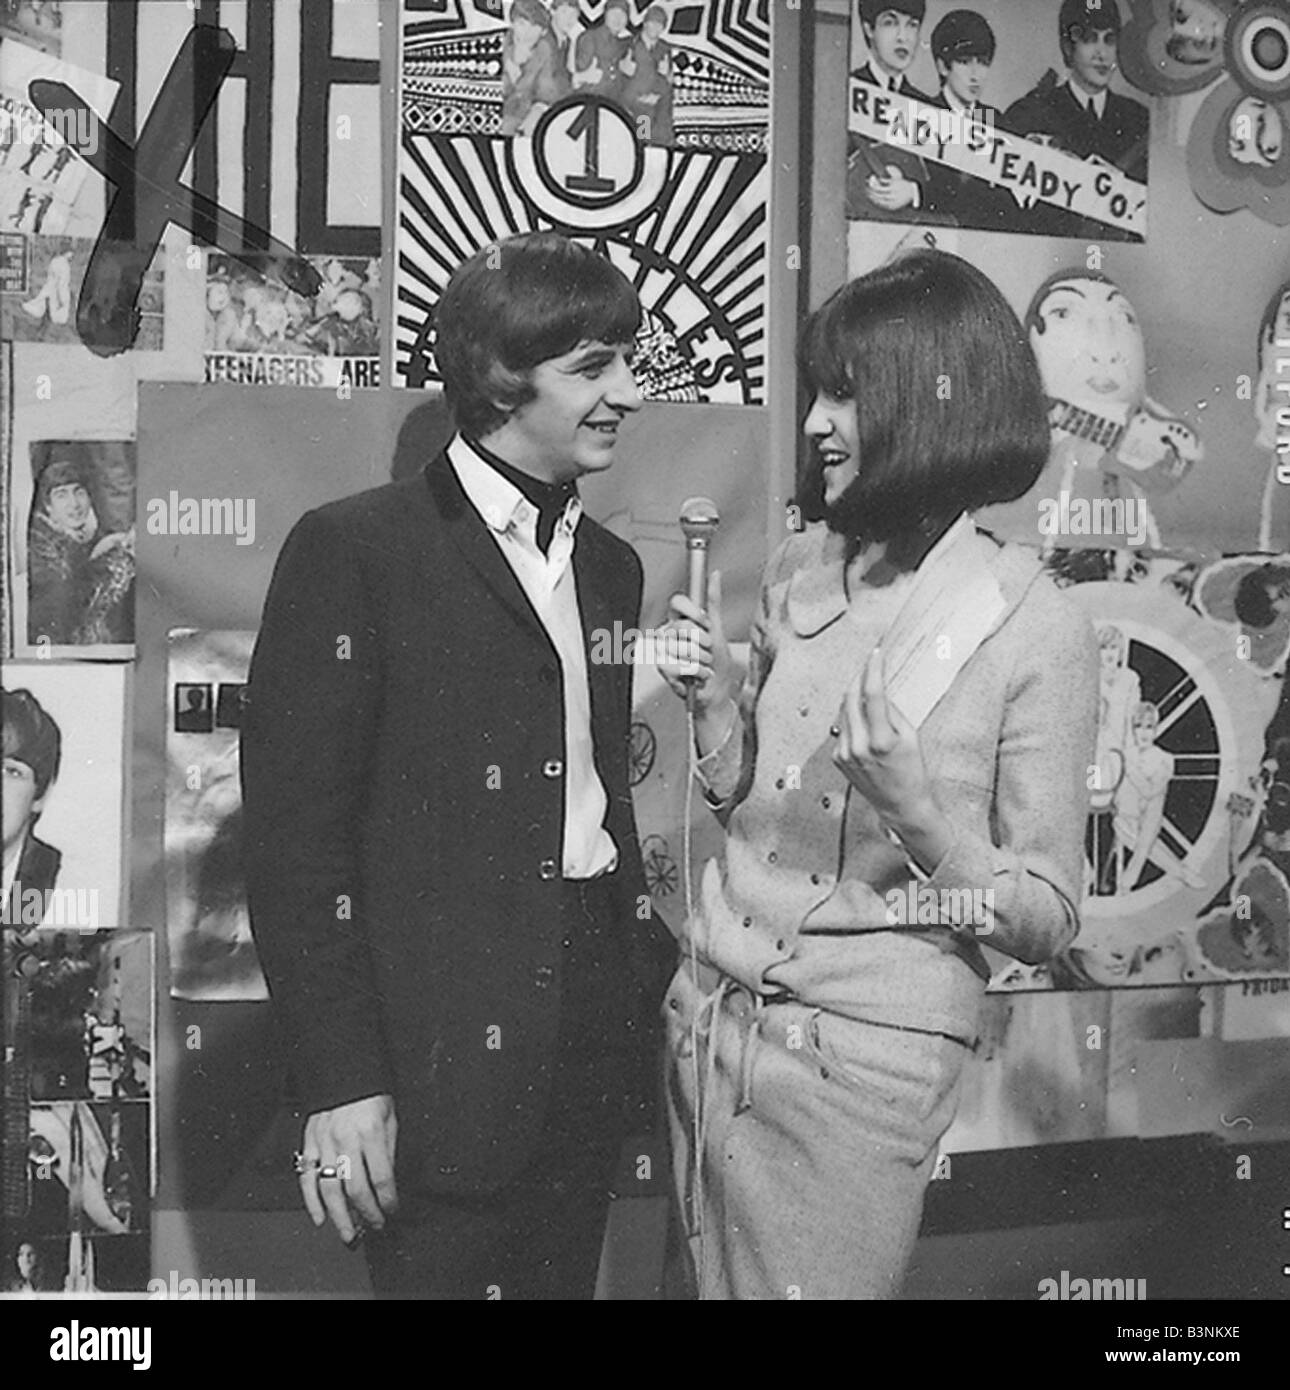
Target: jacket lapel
x,y
472,537
596,608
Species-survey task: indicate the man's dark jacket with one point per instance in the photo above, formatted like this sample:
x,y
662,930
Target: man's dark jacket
x,y
1120,137
402,767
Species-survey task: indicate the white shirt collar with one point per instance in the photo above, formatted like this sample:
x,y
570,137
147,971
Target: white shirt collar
x,y
954,103
884,79
501,504
10,872
1095,102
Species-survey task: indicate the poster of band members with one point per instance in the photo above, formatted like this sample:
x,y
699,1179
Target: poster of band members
x,y
78,1128
1005,115
639,129
261,332
212,955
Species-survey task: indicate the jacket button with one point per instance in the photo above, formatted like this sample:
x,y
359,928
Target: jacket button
x,y
825,802
772,858
553,767
779,784
815,878
547,869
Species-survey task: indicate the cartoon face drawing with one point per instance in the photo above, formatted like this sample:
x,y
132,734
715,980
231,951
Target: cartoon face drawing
x,y
1089,345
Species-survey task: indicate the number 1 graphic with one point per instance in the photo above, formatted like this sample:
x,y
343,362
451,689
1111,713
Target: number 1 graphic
x,y
587,122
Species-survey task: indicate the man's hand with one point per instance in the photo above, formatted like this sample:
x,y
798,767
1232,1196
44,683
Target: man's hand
x,y
358,1141
894,192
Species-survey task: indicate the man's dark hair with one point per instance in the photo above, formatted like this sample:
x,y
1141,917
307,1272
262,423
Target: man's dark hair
x,y
960,35
31,736
513,305
1081,17
1254,591
871,9
56,462
950,409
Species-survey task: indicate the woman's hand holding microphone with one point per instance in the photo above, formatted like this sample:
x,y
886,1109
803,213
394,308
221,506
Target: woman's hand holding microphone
x,y
697,666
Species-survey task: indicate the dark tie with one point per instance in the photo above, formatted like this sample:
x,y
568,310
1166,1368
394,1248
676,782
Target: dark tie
x,y
550,510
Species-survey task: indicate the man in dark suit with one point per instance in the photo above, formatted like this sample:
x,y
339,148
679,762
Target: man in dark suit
x,y
32,749
1081,115
602,56
886,183
647,94
443,871
963,48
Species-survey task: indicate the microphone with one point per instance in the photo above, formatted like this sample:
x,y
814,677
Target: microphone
x,y
699,521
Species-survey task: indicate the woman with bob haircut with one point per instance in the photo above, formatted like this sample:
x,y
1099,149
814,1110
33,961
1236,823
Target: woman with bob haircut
x,y
831,979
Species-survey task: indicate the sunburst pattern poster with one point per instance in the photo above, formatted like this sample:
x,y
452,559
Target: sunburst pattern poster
x,y
640,130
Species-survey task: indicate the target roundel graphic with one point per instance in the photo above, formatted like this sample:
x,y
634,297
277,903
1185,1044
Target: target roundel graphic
x,y
585,166
1181,722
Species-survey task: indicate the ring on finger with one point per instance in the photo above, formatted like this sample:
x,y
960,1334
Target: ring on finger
x,y
328,1172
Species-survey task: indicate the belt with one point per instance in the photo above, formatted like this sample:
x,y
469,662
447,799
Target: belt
x,y
705,1024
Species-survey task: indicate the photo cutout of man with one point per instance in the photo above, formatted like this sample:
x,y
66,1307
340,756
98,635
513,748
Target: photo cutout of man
x,y
602,56
1081,115
885,182
566,29
80,581
443,871
32,749
963,48
648,91
531,75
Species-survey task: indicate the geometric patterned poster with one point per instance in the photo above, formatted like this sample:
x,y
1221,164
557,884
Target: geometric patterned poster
x,y
638,131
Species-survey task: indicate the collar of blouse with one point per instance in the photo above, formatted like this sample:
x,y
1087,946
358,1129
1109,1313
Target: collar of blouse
x,y
817,591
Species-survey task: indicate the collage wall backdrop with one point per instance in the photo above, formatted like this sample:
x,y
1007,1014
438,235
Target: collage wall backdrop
x,y
149,481
1147,256
1111,241
252,362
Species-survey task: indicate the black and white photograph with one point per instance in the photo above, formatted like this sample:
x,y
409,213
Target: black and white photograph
x,y
212,954
64,791
78,1123
261,332
81,547
639,130
953,122
734,745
